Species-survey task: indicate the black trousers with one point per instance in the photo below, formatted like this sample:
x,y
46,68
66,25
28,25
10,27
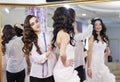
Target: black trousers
x,y
49,79
16,77
81,73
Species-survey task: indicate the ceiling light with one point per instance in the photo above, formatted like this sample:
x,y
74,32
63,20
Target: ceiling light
x,y
84,14
7,10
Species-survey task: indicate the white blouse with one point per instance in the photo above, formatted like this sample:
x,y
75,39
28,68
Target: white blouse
x,y
15,57
79,53
42,67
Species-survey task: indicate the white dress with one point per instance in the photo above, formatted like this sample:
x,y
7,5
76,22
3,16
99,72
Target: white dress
x,y
66,74
100,72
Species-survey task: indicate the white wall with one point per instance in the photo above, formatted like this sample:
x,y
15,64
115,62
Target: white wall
x,y
15,16
113,32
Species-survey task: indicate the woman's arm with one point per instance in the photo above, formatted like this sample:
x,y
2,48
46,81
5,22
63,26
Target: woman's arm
x,y
63,45
37,58
41,58
89,58
87,34
90,46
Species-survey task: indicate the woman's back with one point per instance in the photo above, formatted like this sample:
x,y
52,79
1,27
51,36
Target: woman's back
x,y
16,60
61,72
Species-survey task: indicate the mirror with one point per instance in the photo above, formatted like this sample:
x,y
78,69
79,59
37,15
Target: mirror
x,y
110,15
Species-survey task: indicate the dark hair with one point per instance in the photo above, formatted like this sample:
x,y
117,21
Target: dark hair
x,y
29,37
72,14
102,33
8,33
62,20
19,32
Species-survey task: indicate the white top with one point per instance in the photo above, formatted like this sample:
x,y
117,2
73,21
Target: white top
x,y
15,57
79,47
38,60
63,73
83,36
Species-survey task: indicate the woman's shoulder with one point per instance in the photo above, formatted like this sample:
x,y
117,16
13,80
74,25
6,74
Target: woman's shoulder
x,y
63,33
91,39
17,39
62,37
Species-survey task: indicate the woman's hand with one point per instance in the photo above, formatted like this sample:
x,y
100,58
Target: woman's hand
x,y
90,21
89,72
50,50
50,47
20,26
69,63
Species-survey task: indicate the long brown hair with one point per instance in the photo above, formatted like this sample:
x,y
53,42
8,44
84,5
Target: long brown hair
x,y
8,33
29,37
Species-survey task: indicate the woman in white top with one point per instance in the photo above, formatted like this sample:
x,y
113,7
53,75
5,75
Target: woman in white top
x,y
37,45
12,48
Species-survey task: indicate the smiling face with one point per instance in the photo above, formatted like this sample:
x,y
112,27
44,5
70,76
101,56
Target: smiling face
x,y
98,26
34,24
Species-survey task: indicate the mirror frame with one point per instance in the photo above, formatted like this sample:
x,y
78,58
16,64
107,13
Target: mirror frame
x,y
38,5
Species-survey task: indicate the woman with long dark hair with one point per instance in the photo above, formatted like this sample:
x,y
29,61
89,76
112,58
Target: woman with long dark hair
x,y
37,46
98,50
12,48
63,39
79,62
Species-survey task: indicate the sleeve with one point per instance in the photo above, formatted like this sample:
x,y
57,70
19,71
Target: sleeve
x,y
82,36
40,59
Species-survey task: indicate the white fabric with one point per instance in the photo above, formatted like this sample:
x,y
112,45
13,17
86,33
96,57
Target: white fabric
x,y
79,54
66,74
15,57
38,60
83,36
79,47
100,72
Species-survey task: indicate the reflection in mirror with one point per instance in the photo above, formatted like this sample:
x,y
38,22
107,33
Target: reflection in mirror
x,y
110,15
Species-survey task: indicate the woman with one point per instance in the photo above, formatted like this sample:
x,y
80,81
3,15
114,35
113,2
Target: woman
x,y
98,50
12,48
79,62
63,39
37,45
